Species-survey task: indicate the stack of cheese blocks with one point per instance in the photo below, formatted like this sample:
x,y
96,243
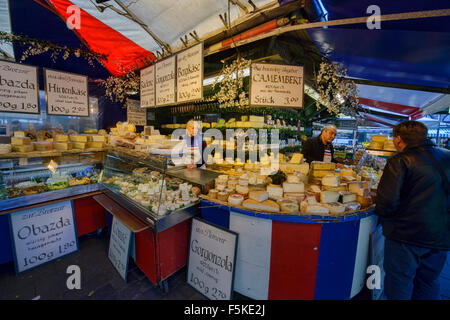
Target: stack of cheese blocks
x,y
84,141
320,170
149,141
21,143
295,165
377,142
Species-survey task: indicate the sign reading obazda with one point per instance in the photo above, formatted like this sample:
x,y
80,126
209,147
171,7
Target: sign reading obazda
x,y
42,234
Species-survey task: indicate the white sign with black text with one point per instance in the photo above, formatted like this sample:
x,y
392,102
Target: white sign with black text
x,y
190,74
43,234
165,82
135,114
66,93
276,85
211,263
119,247
19,88
148,87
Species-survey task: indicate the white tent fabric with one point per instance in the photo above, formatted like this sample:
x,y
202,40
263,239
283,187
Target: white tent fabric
x,y
167,19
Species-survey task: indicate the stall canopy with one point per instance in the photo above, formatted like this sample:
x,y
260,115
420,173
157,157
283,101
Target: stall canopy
x,y
402,69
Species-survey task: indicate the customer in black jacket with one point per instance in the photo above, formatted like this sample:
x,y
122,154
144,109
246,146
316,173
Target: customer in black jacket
x,y
320,148
413,206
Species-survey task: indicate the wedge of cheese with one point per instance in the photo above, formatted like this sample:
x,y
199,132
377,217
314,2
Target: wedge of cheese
x,y
42,145
295,196
314,209
364,201
95,145
62,146
242,190
79,145
331,180
346,197
347,172
335,208
78,138
275,192
321,173
259,196
296,158
335,189
22,148
20,141
61,138
329,196
319,165
20,134
289,206
294,187
292,178
267,205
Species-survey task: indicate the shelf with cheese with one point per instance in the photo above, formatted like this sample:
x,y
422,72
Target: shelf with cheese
x,y
381,143
335,193
24,145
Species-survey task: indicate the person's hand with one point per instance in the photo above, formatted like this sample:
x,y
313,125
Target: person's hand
x,y
191,166
339,165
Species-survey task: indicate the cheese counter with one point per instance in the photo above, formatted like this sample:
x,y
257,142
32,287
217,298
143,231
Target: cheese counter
x,y
290,257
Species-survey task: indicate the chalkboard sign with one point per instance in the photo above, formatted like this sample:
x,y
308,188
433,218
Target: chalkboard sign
x,y
135,114
66,93
119,247
42,234
211,264
19,88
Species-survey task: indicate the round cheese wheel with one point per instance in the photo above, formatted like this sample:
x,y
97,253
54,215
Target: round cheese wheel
x,y
243,182
222,196
235,199
213,193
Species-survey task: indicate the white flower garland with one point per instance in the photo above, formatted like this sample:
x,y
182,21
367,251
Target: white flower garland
x,y
338,94
230,81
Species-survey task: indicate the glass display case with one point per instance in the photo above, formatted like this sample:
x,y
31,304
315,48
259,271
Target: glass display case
x,y
141,183
36,178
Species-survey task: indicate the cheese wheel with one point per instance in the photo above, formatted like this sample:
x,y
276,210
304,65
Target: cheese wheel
x,y
20,141
243,182
235,199
242,190
213,193
275,192
293,187
222,196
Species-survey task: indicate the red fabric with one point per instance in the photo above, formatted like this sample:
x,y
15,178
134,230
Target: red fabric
x,y
266,27
104,40
388,106
146,255
173,245
293,260
89,216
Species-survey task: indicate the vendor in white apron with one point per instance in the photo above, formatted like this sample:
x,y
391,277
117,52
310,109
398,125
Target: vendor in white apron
x,y
195,145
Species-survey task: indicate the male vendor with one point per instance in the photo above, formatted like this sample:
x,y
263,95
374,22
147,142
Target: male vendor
x,y
320,148
195,145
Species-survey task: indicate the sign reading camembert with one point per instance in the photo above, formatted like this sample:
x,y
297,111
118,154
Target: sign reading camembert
x,y
165,82
19,88
276,85
148,87
66,93
190,74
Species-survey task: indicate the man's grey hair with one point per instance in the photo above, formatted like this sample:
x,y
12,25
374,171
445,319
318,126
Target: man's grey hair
x,y
329,127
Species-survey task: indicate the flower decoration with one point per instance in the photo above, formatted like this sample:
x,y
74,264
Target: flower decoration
x,y
36,47
336,92
230,82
